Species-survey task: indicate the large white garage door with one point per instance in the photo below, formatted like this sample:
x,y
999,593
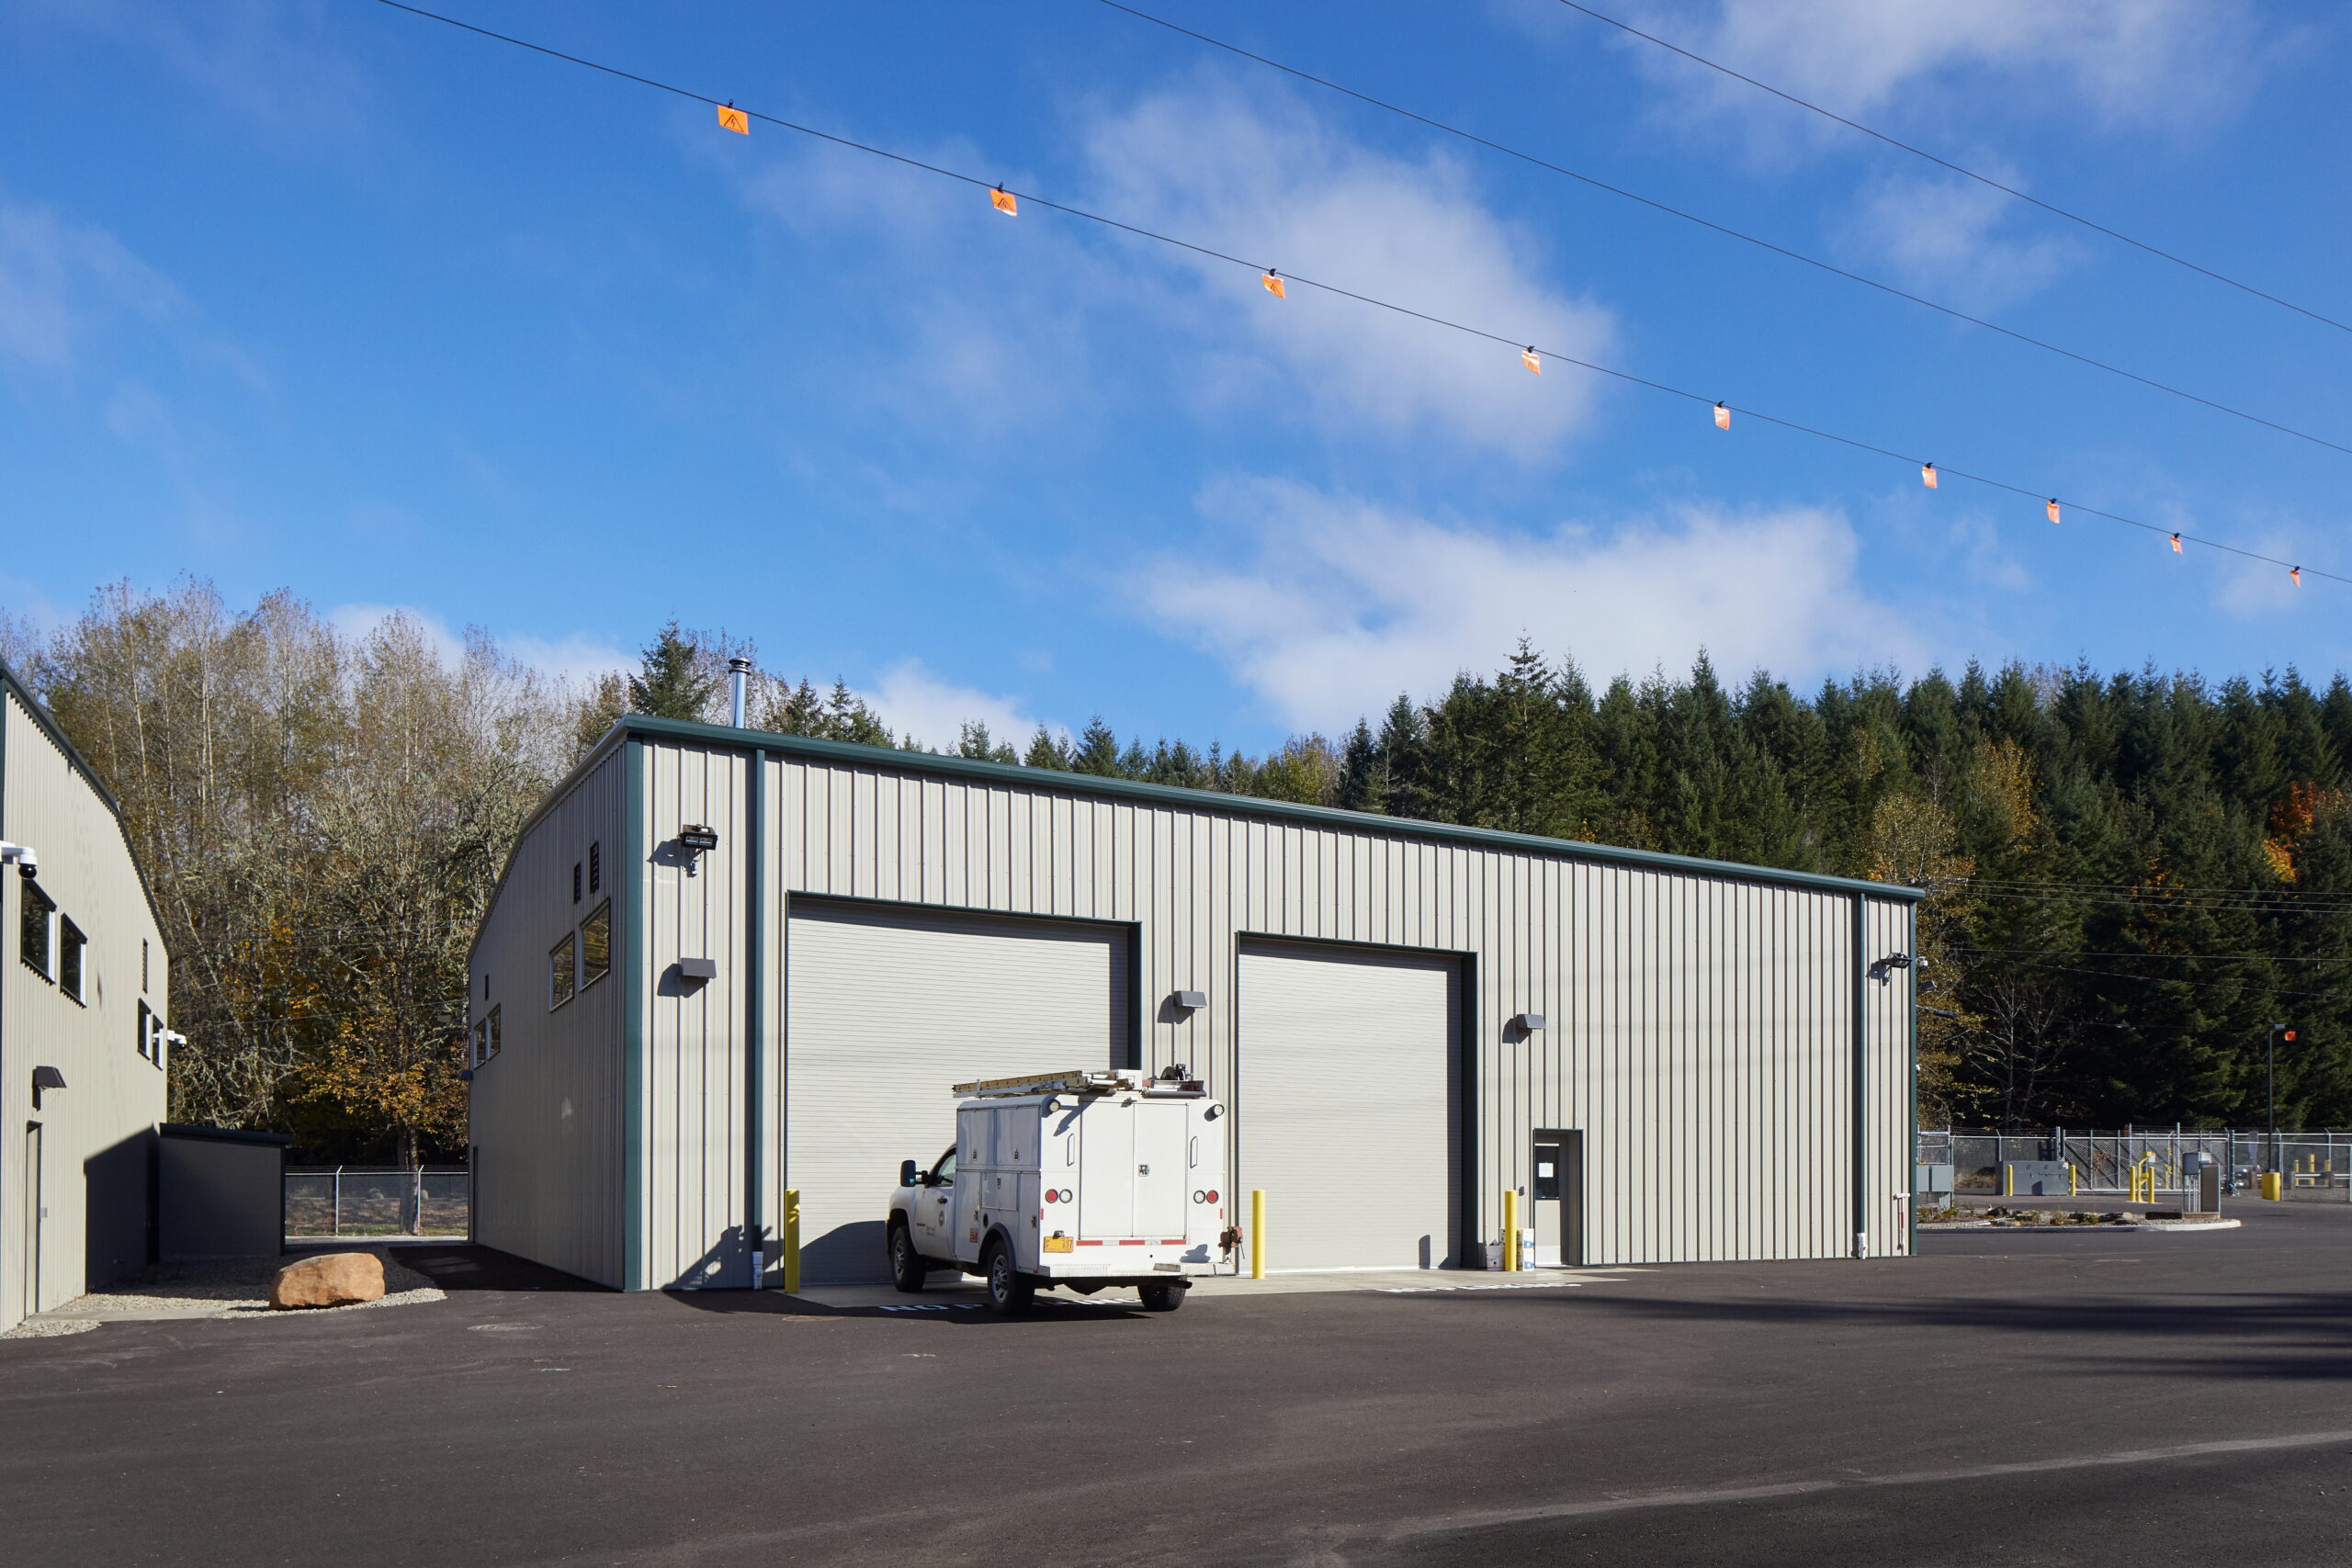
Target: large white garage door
x,y
1346,1105
886,1009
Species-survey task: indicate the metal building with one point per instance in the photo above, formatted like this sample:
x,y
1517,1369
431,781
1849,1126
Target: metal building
x,y
83,1023
722,963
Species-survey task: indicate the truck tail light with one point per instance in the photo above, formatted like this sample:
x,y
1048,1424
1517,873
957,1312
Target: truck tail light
x,y
1049,1194
1212,1197
1065,1194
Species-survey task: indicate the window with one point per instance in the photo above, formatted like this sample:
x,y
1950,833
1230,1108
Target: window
x,y
142,966
490,1042
596,867
597,945
70,943
482,1032
32,929
575,882
146,1042
561,959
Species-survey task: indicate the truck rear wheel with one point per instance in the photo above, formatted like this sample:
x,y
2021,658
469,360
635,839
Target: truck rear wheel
x,y
1162,1298
907,1269
1010,1290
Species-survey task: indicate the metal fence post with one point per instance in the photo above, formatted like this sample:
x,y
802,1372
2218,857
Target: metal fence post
x,y
334,1223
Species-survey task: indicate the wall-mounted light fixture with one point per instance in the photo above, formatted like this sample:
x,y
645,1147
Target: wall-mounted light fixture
x,y
46,1077
1527,1022
1883,969
698,969
697,841
1190,1002
22,856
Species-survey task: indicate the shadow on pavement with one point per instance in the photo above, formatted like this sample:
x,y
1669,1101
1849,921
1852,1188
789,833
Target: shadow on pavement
x,y
465,1266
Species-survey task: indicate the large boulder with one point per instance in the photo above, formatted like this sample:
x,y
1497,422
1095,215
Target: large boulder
x,y
334,1279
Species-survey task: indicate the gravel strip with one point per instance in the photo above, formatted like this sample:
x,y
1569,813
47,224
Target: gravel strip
x,y
231,1288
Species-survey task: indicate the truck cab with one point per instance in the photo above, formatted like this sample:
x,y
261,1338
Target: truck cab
x,y
1081,1180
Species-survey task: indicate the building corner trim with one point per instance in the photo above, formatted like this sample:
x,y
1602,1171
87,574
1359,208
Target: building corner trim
x,y
633,994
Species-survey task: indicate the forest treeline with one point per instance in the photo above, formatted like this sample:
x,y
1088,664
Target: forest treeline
x,y
2129,876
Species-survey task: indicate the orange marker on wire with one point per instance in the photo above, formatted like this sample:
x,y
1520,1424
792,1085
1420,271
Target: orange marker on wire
x,y
1273,282
1928,475
2051,506
2176,544
1529,357
734,119
1722,417
1001,199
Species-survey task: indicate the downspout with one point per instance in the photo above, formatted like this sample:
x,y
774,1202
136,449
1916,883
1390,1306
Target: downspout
x,y
1911,1101
1860,1077
756,1119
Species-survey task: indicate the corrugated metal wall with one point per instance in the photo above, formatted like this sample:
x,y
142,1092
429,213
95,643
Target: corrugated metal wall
x,y
1701,1027
547,1111
95,1133
696,1167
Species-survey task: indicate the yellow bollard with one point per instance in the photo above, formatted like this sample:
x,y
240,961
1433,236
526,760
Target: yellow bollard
x,y
1510,1230
1257,1233
2271,1185
791,1238
2070,1180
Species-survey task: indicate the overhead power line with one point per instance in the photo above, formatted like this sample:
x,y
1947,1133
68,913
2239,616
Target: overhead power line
x,y
1729,232
1275,280
1985,180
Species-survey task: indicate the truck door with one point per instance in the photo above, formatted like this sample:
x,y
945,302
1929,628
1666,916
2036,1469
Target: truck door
x,y
1162,1180
930,1213
1107,1170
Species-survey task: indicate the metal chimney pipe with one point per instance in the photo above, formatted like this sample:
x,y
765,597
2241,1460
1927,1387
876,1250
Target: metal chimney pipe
x,y
739,678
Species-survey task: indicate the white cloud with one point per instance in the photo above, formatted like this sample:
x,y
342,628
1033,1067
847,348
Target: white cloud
x,y
60,281
1000,321
1345,605
914,702
271,60
1261,178
2150,64
1959,238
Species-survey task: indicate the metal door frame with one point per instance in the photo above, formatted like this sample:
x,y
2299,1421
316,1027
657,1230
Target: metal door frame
x,y
34,1208
1572,1190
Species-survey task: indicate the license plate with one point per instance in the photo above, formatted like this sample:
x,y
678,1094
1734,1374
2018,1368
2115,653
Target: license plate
x,y
1058,1243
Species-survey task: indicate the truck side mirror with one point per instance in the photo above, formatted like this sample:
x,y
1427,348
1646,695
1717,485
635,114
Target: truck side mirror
x,y
909,1175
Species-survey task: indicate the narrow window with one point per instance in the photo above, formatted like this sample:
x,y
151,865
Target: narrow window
x,y
485,984
597,945
561,959
596,867
575,882
70,943
142,964
146,1042
32,929
482,1032
493,1032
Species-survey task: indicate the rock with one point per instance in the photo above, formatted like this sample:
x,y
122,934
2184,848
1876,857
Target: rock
x,y
335,1279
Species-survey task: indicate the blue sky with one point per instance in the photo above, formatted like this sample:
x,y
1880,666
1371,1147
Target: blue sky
x,y
320,296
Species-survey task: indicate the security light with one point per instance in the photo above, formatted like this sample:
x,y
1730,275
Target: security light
x,y
22,855
1527,1022
1884,968
697,841
46,1077
1192,1001
699,968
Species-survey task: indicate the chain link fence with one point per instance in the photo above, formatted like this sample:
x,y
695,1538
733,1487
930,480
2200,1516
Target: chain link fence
x,y
335,1201
2314,1167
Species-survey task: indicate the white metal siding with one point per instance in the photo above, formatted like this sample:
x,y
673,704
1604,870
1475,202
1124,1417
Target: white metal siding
x,y
546,1113
887,1007
1346,1106
96,1134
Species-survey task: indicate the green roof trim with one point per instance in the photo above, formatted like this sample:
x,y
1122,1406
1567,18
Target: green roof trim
x,y
1014,776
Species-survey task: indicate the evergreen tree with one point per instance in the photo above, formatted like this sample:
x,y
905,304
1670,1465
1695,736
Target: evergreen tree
x,y
1097,752
1045,751
670,681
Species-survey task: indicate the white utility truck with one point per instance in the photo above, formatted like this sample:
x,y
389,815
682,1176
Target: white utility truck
x,y
1080,1180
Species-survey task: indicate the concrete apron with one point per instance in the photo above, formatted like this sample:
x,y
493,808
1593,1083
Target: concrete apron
x,y
946,1290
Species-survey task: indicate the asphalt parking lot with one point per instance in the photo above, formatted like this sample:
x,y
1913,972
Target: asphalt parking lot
x,y
2078,1398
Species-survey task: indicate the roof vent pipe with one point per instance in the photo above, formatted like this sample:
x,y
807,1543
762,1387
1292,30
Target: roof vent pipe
x,y
739,677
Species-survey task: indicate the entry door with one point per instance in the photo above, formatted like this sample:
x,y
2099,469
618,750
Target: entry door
x,y
33,1213
1555,1193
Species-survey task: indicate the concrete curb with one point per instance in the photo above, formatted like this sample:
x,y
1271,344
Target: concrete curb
x,y
2128,1226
